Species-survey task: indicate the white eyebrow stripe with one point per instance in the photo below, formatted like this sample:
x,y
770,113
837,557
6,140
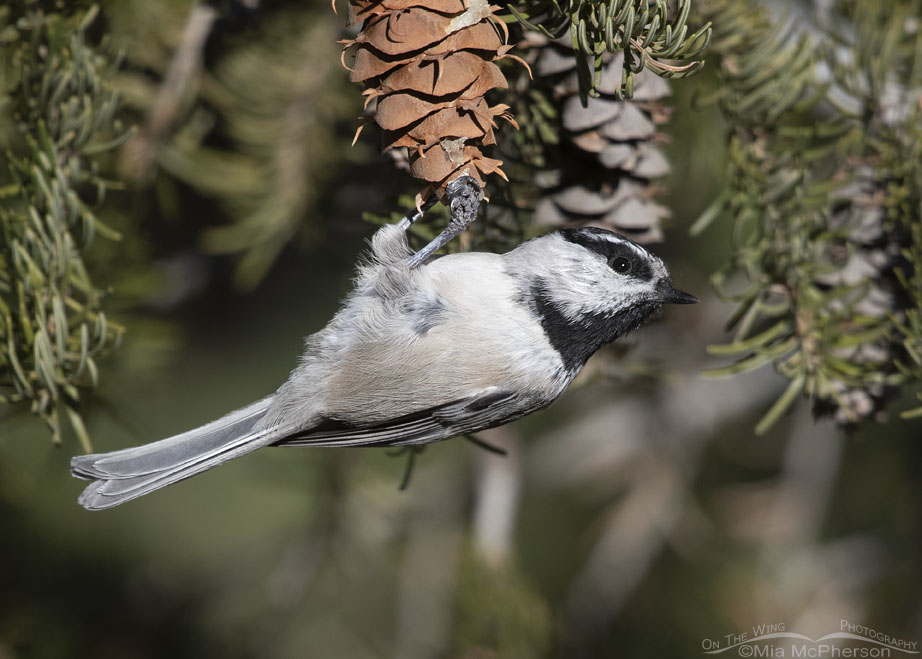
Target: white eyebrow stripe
x,y
621,241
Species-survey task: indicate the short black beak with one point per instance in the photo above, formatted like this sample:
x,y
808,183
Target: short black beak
x,y
673,295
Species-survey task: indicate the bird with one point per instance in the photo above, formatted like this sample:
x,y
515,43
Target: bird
x,y
423,352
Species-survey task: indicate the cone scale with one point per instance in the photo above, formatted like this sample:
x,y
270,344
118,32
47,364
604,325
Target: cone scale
x,y
426,66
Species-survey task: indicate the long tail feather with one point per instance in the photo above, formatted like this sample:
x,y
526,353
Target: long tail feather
x,y
124,475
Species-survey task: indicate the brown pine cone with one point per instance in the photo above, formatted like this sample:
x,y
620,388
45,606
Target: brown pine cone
x,y
428,64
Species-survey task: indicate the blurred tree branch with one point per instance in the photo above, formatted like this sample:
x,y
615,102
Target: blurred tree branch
x,y
253,130
179,88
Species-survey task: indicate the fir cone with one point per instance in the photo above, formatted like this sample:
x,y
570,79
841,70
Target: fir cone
x,y
427,64
609,149
865,256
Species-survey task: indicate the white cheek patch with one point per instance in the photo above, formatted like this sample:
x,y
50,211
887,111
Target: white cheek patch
x,y
592,289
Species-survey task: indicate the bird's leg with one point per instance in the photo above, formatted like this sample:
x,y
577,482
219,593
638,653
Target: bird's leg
x,y
464,197
410,451
416,214
487,446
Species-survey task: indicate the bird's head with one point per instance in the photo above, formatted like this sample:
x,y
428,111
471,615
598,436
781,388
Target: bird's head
x,y
589,286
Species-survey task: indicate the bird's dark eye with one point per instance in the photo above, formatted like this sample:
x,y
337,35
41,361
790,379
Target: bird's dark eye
x,y
621,265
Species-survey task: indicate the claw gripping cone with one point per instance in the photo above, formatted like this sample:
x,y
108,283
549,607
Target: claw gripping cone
x,y
427,65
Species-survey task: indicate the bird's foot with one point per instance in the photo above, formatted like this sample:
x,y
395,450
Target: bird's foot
x,y
463,196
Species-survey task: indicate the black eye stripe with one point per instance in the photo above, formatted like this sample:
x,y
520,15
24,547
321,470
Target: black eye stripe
x,y
594,240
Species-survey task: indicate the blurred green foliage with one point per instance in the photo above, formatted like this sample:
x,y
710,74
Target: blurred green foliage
x,y
250,124
903,182
823,188
499,612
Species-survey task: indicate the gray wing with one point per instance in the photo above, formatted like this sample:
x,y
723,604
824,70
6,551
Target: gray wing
x,y
486,409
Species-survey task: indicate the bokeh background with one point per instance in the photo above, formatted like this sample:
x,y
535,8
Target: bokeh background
x,y
638,516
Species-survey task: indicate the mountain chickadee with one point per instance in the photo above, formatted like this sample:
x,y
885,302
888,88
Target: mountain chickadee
x,y
467,342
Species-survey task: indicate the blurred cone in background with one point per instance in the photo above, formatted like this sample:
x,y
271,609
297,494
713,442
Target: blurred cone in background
x,y
610,155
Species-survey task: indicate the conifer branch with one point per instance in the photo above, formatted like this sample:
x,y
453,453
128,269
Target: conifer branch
x,y
824,194
650,34
53,326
